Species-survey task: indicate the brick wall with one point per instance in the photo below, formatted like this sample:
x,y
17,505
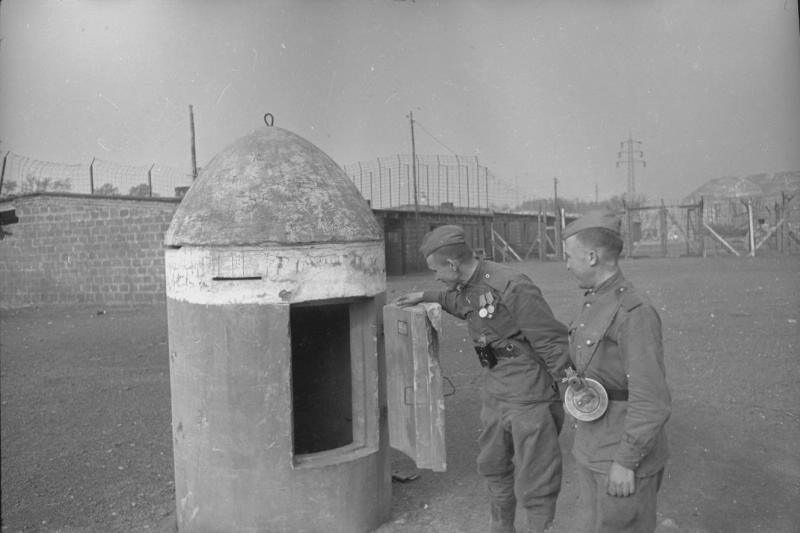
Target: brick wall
x,y
70,248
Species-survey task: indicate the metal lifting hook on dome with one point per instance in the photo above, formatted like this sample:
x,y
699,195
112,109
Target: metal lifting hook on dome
x,y
269,120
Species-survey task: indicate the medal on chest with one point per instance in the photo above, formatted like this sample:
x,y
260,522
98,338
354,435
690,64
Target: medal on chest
x,y
486,305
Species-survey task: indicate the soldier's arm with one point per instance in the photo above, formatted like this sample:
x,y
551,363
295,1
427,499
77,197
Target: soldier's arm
x,y
447,299
546,334
649,401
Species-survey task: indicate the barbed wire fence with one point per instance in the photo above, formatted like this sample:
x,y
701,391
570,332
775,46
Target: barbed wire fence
x,y
23,175
443,182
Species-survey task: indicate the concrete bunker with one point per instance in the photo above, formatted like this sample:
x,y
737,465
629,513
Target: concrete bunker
x,y
275,278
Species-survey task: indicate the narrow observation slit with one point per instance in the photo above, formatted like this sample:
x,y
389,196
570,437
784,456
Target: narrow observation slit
x,y
232,278
322,381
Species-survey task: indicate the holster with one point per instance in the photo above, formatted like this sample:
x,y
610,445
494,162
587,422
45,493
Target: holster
x,y
486,356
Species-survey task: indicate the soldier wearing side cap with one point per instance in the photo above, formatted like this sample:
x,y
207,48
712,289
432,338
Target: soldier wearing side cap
x,y
615,339
524,351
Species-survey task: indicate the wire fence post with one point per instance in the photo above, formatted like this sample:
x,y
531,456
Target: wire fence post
x,y
194,151
447,184
469,204
486,183
390,186
360,179
408,180
458,170
701,233
3,171
91,177
150,180
380,180
438,180
427,184
371,198
399,180
477,183
542,230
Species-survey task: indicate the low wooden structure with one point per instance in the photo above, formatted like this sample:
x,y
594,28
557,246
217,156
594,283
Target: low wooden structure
x,y
752,214
499,236
664,230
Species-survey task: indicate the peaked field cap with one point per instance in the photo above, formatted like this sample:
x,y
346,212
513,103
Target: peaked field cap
x,y
604,219
441,237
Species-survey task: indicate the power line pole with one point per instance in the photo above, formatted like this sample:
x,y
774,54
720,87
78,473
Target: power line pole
x,y
633,155
414,164
555,191
417,229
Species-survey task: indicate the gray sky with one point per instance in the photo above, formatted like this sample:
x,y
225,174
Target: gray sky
x,y
535,89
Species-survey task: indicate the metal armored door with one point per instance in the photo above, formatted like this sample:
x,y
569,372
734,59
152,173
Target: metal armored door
x,y
414,386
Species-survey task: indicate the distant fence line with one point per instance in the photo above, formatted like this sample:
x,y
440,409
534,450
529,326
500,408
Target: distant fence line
x,y
733,212
442,181
21,174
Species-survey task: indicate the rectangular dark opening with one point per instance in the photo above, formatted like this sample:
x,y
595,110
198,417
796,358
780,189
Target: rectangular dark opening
x,y
322,379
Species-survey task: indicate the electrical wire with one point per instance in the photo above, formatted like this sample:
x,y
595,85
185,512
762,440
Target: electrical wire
x,y
434,138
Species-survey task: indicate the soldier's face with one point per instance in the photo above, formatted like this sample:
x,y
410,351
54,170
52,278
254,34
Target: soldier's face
x,y
580,262
445,270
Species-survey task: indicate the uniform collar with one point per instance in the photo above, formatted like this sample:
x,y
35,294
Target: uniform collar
x,y
608,285
479,273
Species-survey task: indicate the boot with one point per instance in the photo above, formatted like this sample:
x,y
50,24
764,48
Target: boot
x,y
538,520
502,503
502,517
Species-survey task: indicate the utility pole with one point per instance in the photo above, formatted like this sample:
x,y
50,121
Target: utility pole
x,y
555,191
633,154
414,164
596,194
556,221
194,153
417,229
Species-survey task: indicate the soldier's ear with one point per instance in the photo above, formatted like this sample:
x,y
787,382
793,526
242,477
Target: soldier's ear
x,y
593,258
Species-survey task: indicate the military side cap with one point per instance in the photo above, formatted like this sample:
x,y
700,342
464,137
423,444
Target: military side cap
x,y
441,237
607,220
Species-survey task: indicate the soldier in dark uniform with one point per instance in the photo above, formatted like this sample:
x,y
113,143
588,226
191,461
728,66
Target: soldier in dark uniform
x,y
524,350
616,340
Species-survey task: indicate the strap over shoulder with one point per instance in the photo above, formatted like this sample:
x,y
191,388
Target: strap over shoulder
x,y
629,298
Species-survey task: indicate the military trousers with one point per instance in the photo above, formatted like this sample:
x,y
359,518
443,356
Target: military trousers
x,y
520,457
603,513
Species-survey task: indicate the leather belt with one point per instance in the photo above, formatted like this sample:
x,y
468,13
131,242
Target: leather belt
x,y
617,395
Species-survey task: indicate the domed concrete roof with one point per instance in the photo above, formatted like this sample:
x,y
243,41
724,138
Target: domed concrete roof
x,y
272,187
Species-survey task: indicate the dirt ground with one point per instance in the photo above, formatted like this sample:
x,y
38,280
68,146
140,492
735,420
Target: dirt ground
x,y
86,436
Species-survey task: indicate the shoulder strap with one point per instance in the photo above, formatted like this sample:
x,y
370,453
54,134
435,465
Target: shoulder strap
x,y
607,319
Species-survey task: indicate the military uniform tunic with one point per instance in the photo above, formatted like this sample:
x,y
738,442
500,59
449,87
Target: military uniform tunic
x,y
616,339
522,331
521,412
